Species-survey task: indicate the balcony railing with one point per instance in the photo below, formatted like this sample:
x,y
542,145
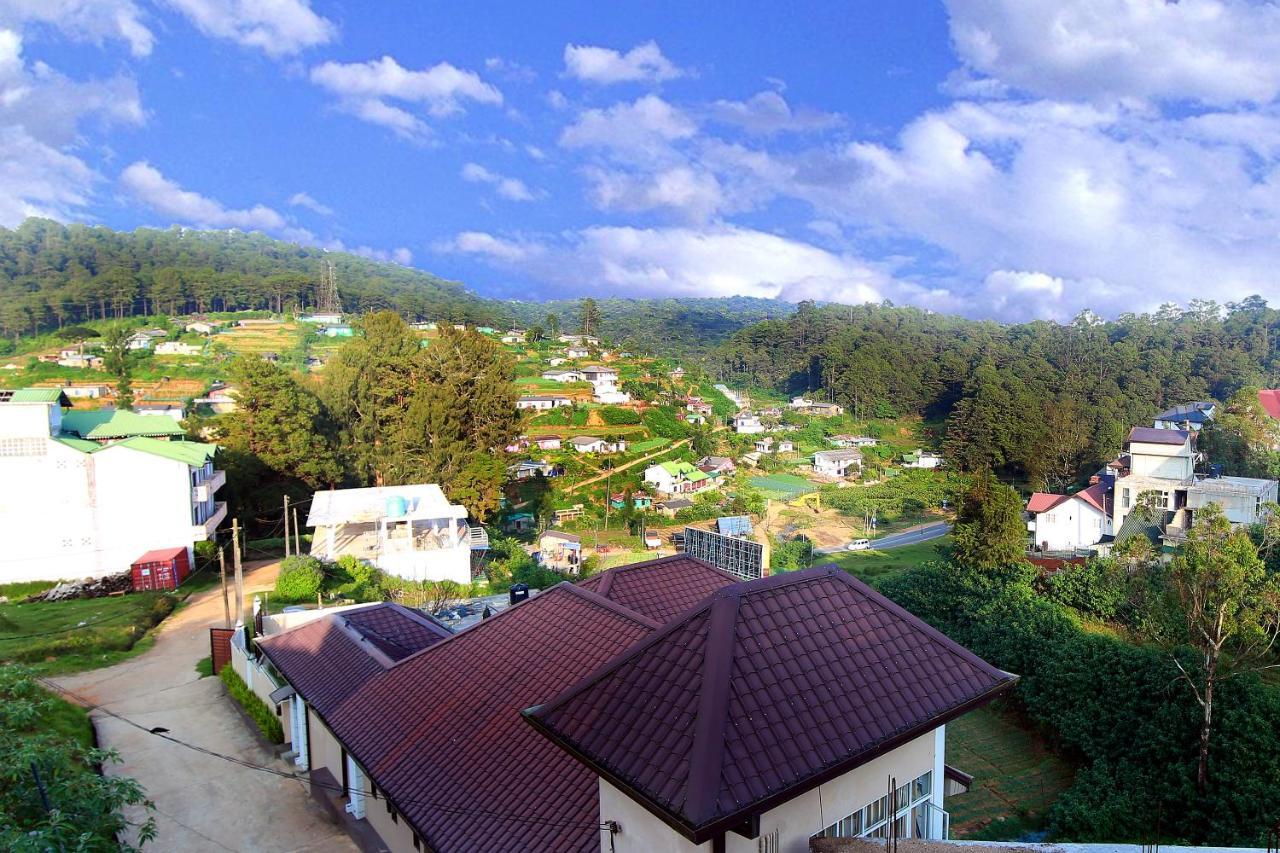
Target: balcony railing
x,y
201,532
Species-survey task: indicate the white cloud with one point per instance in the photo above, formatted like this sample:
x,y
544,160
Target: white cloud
x,y
716,261
695,194
302,199
401,255
512,189
602,65
93,21
276,27
363,89
510,70
1214,51
645,126
767,112
42,116
146,184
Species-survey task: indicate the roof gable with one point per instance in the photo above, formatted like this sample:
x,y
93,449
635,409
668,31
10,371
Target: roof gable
x,y
699,722
117,423
192,453
1153,435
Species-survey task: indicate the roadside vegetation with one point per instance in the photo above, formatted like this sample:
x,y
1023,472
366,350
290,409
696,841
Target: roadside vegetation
x,y
58,637
263,717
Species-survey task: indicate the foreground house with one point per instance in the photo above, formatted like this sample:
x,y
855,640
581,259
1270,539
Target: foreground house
x,y
707,751
639,721
85,494
409,531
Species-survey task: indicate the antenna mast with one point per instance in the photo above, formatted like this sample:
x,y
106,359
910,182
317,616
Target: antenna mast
x,y
327,292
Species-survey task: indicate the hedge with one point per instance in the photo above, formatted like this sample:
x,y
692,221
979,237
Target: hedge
x,y
257,710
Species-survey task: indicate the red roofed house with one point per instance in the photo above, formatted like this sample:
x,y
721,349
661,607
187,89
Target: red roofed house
x,y
670,706
775,712
1070,522
1270,400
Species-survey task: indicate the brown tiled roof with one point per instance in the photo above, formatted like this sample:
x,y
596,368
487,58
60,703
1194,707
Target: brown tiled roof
x,y
330,658
660,589
771,687
440,732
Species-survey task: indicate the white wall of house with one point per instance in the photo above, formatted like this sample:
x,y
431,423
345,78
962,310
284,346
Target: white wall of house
x,y
1164,461
792,823
66,514
1072,524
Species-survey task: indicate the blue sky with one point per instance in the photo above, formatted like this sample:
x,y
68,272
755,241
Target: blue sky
x,y
1014,159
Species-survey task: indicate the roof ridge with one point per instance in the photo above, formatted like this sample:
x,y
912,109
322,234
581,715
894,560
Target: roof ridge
x,y
706,755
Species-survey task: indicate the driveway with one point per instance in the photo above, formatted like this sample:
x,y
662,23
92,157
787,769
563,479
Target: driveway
x,y
915,535
202,803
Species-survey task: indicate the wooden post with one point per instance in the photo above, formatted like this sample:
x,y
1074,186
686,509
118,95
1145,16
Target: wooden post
x,y
286,527
297,534
226,600
235,555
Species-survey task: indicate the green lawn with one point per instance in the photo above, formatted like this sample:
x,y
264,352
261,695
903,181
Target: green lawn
x,y
785,486
1016,777
648,445
69,636
869,565
21,589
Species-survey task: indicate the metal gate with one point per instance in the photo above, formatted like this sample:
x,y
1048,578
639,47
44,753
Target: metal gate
x,y
220,647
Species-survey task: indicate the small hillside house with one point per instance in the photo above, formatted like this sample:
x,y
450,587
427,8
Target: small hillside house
x,y
1188,416
575,351
562,375
560,551
592,444
746,423
1069,522
547,442
838,463
678,478
921,459
543,402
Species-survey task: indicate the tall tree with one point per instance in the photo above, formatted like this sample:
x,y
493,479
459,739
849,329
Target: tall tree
x,y
989,531
280,422
589,316
553,325
1224,605
116,359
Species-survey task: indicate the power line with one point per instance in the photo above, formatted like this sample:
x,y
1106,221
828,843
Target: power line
x,y
163,734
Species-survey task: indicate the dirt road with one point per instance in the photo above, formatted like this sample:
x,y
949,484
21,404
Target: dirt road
x,y
202,803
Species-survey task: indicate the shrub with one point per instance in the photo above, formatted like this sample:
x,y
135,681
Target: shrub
x,y
299,579
262,716
662,421
1097,588
616,415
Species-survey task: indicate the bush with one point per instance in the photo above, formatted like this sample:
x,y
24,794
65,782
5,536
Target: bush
x,y
262,716
299,579
616,415
352,577
1097,588
662,421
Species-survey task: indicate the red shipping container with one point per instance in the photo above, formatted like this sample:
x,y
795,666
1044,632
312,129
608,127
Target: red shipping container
x,y
163,568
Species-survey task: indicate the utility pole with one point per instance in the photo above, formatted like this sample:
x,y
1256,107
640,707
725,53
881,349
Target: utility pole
x,y
226,601
286,527
297,535
235,555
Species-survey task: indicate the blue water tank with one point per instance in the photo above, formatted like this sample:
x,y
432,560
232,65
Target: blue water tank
x,y
396,507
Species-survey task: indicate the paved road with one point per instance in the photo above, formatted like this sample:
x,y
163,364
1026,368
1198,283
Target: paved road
x,y
202,803
913,536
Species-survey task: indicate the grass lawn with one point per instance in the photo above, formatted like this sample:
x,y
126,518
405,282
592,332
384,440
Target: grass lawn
x,y
648,445
869,565
785,486
68,636
1016,777
21,589
69,721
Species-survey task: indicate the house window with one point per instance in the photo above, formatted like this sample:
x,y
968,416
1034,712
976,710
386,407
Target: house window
x,y
909,814
1124,498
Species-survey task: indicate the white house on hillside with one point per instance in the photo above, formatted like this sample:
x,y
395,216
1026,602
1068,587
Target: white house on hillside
x,y
88,501
1070,522
543,402
410,531
837,463
745,423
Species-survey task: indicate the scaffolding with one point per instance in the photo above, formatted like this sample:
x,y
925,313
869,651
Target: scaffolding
x,y
734,554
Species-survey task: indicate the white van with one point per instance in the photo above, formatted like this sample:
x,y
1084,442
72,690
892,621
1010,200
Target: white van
x,y
859,545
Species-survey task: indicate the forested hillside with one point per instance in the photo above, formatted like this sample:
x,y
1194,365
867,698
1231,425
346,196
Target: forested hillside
x,y
1038,400
53,275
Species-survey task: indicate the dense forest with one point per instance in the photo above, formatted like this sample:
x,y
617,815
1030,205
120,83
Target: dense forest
x,y
1039,401
54,275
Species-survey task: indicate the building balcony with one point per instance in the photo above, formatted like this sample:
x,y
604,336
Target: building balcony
x,y
206,490
201,532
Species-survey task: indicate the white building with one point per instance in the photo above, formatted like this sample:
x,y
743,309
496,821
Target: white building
x,y
72,506
575,351
1188,416
922,459
837,463
581,340
591,444
177,348
410,531
562,375
1070,522
543,402
734,397
745,423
